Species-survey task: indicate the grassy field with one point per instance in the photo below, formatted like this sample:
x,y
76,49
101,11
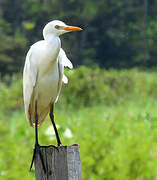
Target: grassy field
x,y
117,136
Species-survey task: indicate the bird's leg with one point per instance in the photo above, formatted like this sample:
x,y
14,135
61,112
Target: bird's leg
x,y
37,146
54,126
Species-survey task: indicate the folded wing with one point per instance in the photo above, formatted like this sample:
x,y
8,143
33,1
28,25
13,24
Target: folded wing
x,y
63,61
29,81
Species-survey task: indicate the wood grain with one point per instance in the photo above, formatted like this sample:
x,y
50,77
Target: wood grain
x,y
62,163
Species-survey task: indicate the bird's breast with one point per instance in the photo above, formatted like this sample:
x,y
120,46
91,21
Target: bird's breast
x,y
47,86
48,59
45,54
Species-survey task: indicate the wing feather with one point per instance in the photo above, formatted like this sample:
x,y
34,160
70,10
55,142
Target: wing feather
x,y
65,79
61,72
29,82
63,61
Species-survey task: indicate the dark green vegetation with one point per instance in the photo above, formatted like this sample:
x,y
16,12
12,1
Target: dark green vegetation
x,y
116,33
111,114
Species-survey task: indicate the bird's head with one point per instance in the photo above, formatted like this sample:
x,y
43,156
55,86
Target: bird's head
x,y
58,28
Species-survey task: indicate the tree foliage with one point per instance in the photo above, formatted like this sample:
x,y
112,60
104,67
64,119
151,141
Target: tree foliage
x,y
116,33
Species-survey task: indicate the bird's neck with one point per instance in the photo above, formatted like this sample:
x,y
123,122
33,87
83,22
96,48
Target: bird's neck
x,y
50,38
53,45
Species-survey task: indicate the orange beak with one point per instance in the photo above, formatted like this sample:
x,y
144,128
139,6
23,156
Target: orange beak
x,y
72,28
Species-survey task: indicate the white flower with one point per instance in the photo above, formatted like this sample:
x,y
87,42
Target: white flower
x,y
50,130
3,173
68,133
51,133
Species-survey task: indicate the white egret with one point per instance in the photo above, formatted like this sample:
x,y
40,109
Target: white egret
x,y
43,76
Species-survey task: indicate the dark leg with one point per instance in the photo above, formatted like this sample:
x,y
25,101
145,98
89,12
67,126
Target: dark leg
x,y
37,146
54,126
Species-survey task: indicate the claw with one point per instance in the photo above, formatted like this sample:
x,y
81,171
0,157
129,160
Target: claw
x,y
37,150
33,158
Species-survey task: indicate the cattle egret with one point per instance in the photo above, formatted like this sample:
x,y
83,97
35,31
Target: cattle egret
x,y
43,76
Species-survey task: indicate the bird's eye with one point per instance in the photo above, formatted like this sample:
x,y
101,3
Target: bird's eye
x,y
57,27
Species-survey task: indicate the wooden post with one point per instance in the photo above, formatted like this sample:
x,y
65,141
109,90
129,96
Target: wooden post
x,y
62,163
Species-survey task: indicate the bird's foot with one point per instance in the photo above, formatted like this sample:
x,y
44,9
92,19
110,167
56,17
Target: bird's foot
x,y
38,150
59,145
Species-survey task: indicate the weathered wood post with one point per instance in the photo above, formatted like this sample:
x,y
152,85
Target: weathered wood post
x,y
62,163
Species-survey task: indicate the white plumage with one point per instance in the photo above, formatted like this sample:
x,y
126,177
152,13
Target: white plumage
x,y
44,71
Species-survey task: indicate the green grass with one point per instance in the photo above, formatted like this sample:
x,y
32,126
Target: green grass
x,y
118,140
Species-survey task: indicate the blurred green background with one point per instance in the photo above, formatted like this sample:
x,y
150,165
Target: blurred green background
x,y
108,107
